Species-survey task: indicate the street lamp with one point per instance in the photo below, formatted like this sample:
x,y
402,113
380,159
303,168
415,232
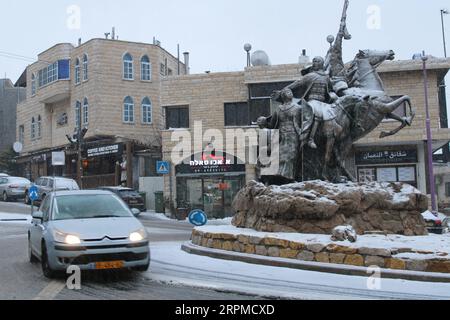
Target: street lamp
x,y
444,11
429,139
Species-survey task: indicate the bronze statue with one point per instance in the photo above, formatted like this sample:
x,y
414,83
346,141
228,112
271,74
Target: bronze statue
x,y
287,119
339,104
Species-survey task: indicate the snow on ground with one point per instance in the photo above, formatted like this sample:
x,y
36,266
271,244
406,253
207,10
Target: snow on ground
x,y
171,264
155,215
15,218
433,242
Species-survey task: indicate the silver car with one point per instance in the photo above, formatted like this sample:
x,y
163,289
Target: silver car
x,y
12,188
94,230
45,185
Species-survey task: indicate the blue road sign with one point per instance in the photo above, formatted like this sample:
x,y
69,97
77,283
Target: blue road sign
x,y
198,218
162,167
33,193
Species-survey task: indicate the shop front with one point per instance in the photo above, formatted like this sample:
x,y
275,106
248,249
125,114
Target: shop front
x,y
209,183
388,164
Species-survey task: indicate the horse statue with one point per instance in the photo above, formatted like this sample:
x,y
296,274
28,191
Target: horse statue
x,y
362,108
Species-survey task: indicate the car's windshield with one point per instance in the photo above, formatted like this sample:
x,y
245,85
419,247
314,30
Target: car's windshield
x,y
88,207
66,183
128,193
19,180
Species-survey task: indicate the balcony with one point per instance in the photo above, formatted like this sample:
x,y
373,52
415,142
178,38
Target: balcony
x,y
54,92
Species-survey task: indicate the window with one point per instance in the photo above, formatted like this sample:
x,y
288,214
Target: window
x,y
169,72
77,113
237,114
128,110
177,117
128,67
85,68
367,175
21,134
146,69
33,84
33,129
48,74
77,71
447,189
162,69
85,111
146,111
39,126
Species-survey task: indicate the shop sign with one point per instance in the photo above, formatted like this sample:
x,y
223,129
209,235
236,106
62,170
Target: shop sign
x,y
39,158
210,164
386,157
102,151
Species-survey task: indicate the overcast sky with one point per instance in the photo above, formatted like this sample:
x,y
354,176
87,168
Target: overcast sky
x,y
214,31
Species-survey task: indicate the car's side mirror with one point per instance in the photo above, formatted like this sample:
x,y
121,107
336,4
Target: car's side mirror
x,y
38,215
135,212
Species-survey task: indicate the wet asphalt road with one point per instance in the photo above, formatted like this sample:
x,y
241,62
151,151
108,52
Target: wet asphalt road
x,y
20,279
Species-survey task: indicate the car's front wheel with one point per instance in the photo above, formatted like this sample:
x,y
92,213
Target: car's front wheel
x,y
31,257
46,269
27,198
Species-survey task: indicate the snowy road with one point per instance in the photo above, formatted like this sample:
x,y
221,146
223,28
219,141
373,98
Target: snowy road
x,y
173,273
172,265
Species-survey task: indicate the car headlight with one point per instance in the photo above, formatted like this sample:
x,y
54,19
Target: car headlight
x,y
66,238
138,235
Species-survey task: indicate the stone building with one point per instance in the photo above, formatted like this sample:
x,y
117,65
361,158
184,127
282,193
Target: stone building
x,y
113,88
10,96
234,100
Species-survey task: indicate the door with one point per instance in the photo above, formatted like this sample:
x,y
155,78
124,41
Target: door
x,y
213,197
231,187
38,227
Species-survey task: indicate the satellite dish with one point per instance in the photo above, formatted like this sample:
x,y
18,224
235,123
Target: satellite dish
x,y
18,147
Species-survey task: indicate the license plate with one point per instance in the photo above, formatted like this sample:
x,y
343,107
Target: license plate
x,y
109,265
133,201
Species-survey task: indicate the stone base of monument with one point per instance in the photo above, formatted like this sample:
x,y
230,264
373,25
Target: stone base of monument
x,y
423,254
318,207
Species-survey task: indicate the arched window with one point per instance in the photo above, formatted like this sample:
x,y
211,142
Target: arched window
x,y
33,84
128,67
85,111
146,69
33,128
128,110
77,113
77,71
85,68
39,126
146,111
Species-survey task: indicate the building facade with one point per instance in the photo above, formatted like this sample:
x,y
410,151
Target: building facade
x,y
10,96
233,101
112,88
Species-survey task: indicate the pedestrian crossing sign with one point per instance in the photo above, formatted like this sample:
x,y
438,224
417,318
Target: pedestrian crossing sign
x,y
162,167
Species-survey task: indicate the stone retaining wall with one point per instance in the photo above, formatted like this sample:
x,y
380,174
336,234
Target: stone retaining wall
x,y
331,253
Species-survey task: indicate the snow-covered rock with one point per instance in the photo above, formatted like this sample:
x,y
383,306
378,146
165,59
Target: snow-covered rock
x,y
319,207
343,233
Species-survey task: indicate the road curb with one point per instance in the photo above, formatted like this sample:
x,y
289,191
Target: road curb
x,y
314,266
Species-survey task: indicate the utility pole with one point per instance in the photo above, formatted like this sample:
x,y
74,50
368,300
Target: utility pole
x,y
444,11
429,139
79,149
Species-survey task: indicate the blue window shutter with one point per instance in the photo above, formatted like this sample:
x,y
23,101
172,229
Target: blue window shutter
x,y
63,69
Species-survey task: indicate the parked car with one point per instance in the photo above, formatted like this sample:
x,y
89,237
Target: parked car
x,y
4,175
13,188
45,185
130,196
94,230
439,224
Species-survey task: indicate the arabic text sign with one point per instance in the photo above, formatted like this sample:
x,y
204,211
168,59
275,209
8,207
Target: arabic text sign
x,y
386,157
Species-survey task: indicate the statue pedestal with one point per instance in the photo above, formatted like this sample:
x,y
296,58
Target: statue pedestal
x,y
318,207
